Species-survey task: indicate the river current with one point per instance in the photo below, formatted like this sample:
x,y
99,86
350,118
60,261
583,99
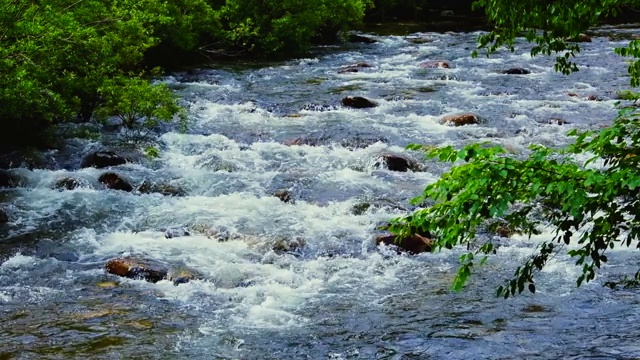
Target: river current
x,y
338,296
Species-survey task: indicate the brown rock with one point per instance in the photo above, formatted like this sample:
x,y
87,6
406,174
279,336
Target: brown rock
x,y
115,182
354,68
133,268
414,244
580,38
283,195
594,98
146,187
358,102
435,64
282,245
182,275
461,119
572,94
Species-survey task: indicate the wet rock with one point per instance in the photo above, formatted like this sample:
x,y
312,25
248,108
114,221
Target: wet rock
x,y
557,121
9,179
176,232
516,71
282,245
353,68
284,196
146,187
446,13
461,119
66,183
182,275
26,158
358,102
397,163
572,94
594,98
115,182
363,207
580,38
355,38
414,244
102,159
419,39
139,269
3,217
435,64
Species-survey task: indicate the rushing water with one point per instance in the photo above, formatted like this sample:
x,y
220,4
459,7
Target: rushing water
x,y
338,296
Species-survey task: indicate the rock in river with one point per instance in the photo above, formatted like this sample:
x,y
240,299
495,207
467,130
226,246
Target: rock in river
x,y
413,245
133,268
358,102
461,119
115,182
102,159
435,64
66,183
516,71
3,217
397,163
9,179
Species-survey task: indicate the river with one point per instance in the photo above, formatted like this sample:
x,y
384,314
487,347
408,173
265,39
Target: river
x,y
338,296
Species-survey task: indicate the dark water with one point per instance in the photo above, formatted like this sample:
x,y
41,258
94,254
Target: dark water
x,y
338,297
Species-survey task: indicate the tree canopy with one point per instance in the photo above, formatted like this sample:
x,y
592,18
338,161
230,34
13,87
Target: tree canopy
x,y
586,192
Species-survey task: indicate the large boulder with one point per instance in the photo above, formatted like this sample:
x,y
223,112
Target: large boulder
x,y
358,102
397,163
414,244
461,119
115,182
140,269
102,159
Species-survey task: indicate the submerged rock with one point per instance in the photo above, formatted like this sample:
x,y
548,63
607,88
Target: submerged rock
x,y
283,245
102,159
284,196
353,68
3,217
516,71
594,98
66,183
182,275
414,244
165,189
129,267
435,64
397,163
358,102
176,232
115,182
461,119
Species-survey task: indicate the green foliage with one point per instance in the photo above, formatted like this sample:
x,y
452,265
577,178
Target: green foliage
x,y
595,207
289,25
551,25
